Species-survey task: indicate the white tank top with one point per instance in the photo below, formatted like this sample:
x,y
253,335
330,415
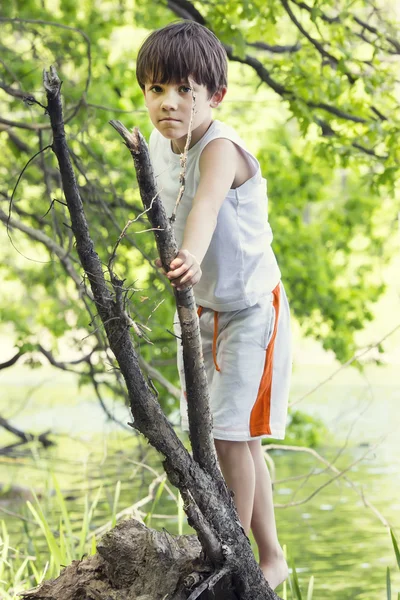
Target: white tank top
x,y
239,266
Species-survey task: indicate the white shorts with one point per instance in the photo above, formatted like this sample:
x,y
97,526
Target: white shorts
x,y
248,361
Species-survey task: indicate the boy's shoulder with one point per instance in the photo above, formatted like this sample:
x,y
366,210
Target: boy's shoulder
x,y
221,130
159,146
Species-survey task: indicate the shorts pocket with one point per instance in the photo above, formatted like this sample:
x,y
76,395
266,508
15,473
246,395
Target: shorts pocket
x,y
269,330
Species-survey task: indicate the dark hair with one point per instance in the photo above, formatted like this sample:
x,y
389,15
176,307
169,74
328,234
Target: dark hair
x,y
179,51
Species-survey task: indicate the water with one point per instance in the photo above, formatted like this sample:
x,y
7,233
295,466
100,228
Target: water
x,y
332,536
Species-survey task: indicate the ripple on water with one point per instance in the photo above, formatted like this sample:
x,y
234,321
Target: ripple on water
x,y
284,491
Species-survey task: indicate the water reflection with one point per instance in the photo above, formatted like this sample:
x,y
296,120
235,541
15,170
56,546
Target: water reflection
x,y
338,539
332,536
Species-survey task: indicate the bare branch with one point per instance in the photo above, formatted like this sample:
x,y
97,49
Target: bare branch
x,y
351,360
209,583
24,436
18,180
332,60
276,49
96,386
330,466
60,26
207,536
196,383
157,376
50,244
124,231
12,361
16,93
28,126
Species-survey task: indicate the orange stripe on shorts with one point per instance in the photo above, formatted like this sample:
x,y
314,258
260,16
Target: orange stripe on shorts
x,y
261,412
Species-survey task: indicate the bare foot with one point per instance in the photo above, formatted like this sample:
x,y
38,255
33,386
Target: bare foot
x,y
275,571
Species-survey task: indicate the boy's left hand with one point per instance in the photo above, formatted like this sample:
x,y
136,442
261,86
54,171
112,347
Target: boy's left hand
x,y
184,270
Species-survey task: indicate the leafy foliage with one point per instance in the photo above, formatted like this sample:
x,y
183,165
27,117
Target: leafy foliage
x,y
312,89
304,430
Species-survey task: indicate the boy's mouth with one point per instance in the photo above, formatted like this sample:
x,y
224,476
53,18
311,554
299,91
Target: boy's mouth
x,y
169,119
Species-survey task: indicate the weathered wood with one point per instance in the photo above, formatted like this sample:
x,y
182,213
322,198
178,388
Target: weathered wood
x,y
208,502
200,423
136,563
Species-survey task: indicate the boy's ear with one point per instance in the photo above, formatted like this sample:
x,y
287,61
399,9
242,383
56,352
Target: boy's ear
x,y
217,98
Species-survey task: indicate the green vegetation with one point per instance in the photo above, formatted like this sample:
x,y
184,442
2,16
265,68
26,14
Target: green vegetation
x,y
25,567
304,430
323,122
321,113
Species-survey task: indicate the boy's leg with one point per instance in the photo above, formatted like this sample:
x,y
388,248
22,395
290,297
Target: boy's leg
x,y
237,466
263,526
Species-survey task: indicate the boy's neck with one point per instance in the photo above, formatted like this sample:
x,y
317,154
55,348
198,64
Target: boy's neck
x,y
178,146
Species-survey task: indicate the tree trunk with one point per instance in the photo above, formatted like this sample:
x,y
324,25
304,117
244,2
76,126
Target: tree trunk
x,y
207,502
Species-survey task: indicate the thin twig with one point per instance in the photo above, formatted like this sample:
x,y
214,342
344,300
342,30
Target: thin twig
x,y
335,470
16,185
61,26
125,229
344,366
183,156
209,583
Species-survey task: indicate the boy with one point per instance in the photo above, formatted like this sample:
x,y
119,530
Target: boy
x,y
225,251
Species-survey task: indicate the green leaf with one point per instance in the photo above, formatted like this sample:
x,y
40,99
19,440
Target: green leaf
x,y
181,515
388,585
157,497
115,504
296,586
64,511
93,548
50,539
310,588
396,548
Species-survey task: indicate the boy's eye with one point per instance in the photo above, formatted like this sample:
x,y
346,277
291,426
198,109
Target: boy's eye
x,y
185,89
156,88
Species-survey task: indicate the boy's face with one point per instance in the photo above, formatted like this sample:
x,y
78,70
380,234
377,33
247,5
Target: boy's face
x,y
170,106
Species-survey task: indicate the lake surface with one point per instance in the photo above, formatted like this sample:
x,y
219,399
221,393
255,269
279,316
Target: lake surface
x,y
332,536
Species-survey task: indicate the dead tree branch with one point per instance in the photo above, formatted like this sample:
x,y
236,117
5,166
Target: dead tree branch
x,y
195,375
210,494
25,436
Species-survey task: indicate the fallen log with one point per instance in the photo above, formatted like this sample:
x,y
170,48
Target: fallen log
x,y
134,562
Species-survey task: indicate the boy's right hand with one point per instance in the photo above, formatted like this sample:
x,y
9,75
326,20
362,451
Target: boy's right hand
x,y
184,270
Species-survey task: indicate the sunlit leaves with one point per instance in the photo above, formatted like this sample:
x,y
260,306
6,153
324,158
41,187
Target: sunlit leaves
x,y
332,202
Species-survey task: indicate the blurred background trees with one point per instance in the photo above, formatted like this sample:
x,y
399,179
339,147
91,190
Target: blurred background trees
x,y
312,91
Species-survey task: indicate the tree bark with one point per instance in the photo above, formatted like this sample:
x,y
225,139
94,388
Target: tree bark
x,y
207,502
200,425
137,563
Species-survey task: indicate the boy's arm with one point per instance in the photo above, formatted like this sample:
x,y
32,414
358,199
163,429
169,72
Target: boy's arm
x,y
218,165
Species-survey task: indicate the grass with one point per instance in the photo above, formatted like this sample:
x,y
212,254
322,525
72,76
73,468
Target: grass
x,y
58,532
20,570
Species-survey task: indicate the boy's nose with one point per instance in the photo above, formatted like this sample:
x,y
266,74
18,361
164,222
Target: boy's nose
x,y
169,102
